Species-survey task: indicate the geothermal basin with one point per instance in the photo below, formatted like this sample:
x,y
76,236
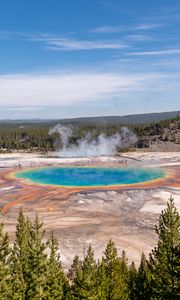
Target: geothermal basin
x,y
89,200
91,177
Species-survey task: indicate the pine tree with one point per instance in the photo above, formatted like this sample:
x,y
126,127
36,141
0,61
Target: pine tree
x,y
5,283
75,268
165,258
102,281
116,285
124,266
20,258
37,266
143,284
85,284
73,273
133,282
57,285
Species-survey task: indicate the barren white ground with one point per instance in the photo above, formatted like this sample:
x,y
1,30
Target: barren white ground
x,y
126,216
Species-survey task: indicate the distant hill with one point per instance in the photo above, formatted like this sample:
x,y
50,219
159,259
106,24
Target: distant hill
x,y
127,119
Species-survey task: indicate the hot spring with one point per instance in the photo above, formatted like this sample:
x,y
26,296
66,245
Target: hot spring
x,y
90,176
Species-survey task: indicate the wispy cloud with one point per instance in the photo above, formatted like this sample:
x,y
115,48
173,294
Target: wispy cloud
x,y
165,15
147,26
70,88
138,37
108,29
68,44
156,52
125,28
58,43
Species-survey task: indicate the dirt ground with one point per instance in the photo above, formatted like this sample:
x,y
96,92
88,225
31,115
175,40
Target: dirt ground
x,y
80,217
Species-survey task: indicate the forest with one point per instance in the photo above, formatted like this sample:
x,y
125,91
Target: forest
x,y
34,136
31,269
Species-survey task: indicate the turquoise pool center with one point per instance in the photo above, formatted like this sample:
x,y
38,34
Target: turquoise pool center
x,y
90,176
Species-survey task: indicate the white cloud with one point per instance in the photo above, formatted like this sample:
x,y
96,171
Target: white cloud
x,y
124,28
157,52
148,26
138,37
108,29
70,88
67,44
53,42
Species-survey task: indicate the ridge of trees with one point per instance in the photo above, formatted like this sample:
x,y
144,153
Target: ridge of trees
x,y
31,269
35,137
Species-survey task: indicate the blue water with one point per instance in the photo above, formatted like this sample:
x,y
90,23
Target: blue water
x,y
90,177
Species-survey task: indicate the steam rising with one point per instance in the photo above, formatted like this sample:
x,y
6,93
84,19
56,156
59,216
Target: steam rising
x,y
87,147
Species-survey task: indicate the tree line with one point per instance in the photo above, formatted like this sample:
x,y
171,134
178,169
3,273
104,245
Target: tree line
x,y
31,269
35,136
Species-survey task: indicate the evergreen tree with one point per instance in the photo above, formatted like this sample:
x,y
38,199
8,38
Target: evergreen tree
x,y
28,273
85,284
75,268
73,273
37,267
20,258
165,258
124,266
143,285
133,282
116,286
102,281
5,283
57,285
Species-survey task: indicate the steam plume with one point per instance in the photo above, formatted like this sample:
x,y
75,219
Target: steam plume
x,y
103,145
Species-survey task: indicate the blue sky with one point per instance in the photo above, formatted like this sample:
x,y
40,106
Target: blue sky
x,y
62,59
